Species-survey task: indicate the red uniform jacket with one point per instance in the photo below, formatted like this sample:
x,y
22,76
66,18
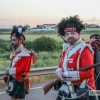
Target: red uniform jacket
x,y
21,62
86,58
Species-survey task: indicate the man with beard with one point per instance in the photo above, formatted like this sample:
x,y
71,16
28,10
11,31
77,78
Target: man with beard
x,y
21,61
76,54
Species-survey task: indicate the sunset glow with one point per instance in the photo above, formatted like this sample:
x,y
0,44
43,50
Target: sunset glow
x,y
33,12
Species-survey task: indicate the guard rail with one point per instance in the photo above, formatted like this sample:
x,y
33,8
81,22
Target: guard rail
x,y
36,71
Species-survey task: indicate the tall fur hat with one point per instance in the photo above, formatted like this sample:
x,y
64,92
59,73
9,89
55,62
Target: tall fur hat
x,y
73,23
18,31
96,36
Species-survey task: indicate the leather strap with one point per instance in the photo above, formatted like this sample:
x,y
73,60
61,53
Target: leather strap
x,y
19,80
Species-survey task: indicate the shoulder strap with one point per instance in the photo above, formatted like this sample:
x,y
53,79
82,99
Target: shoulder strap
x,y
78,61
33,57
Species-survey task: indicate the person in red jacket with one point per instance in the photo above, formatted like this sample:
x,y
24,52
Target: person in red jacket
x,y
21,61
76,54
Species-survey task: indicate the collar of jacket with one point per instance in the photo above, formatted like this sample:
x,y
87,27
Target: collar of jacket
x,y
75,44
18,49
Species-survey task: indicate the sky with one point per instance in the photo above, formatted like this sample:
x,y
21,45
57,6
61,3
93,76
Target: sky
x,y
38,12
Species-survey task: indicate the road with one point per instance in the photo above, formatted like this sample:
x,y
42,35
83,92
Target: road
x,y
35,93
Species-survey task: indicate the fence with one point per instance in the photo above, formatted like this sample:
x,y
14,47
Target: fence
x,y
36,71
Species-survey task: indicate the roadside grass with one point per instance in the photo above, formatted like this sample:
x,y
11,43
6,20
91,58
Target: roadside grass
x,y
42,78
44,59
35,79
4,64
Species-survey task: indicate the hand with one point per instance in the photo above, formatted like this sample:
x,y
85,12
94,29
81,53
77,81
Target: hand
x,y
60,76
7,72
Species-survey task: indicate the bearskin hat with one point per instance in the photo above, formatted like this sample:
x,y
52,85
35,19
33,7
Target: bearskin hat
x,y
72,23
95,36
18,31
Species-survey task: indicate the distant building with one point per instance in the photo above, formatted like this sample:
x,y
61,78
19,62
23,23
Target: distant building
x,y
39,26
46,27
93,26
52,26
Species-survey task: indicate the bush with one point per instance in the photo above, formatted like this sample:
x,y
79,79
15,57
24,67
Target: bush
x,y
4,45
29,45
44,44
5,55
47,59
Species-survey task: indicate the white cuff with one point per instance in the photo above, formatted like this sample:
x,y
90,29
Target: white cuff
x,y
66,73
12,71
58,70
74,75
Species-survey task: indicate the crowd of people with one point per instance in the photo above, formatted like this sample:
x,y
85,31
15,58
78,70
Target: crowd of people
x,y
76,54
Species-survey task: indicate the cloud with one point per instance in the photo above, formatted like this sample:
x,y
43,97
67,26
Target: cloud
x,y
11,19
92,19
3,19
20,20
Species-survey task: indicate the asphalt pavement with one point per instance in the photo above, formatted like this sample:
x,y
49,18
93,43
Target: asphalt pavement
x,y
35,93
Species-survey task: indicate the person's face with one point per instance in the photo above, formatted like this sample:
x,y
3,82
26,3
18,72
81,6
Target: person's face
x,y
15,42
72,37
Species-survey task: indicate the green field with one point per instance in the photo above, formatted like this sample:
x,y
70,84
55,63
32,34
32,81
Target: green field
x,y
32,37
44,58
